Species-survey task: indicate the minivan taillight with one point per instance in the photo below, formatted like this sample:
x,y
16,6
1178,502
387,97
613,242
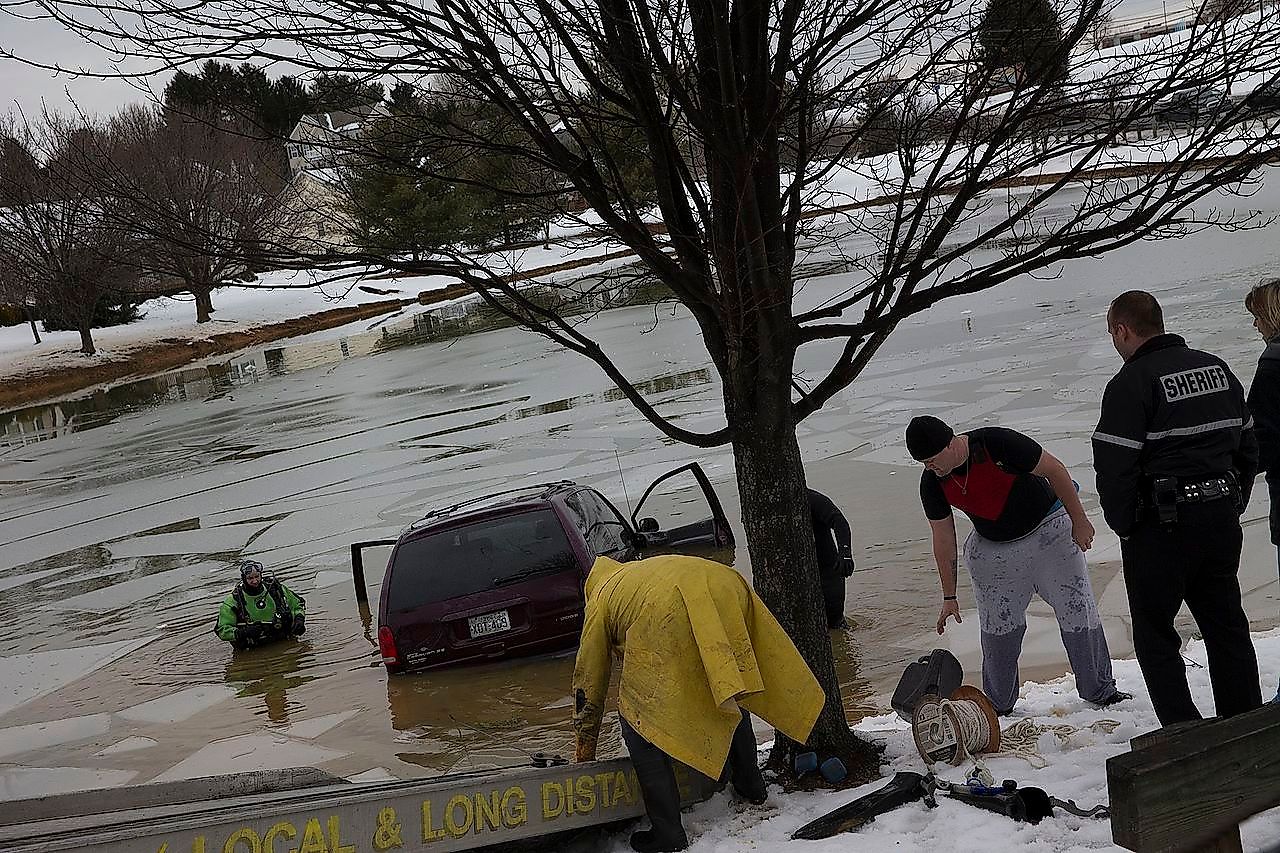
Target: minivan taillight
x,y
387,646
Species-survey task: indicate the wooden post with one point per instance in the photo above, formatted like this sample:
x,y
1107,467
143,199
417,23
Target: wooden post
x,y
1188,787
31,318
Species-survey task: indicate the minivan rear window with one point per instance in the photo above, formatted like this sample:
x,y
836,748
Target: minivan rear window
x,y
477,557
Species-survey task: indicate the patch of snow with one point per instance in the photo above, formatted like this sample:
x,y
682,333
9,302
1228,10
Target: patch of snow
x,y
1076,770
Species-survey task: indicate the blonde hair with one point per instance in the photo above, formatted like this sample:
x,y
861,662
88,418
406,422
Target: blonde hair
x,y
1263,302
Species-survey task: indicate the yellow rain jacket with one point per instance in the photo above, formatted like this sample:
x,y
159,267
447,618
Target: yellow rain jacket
x,y
696,642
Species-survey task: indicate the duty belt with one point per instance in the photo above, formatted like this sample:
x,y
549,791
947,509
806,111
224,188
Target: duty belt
x,y
1168,492
1203,491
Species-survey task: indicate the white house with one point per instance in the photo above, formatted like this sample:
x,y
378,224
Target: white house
x,y
325,140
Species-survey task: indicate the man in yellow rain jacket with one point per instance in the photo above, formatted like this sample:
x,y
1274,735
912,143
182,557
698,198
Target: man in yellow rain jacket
x,y
699,650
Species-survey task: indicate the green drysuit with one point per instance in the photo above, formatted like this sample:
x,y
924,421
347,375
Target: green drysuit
x,y
260,609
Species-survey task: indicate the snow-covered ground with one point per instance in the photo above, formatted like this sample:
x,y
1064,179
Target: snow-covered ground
x,y
1076,770
236,308
273,298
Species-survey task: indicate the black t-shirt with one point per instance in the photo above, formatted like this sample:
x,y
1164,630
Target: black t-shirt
x,y
995,487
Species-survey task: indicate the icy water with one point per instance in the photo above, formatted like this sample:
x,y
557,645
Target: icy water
x,y
118,532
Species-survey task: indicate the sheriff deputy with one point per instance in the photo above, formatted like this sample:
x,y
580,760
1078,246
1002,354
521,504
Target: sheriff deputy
x,y
1175,456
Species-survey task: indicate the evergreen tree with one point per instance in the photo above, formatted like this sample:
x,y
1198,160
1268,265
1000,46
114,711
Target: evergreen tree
x,y
19,172
398,202
614,141
445,170
488,152
404,99
1026,37
330,92
282,105
241,93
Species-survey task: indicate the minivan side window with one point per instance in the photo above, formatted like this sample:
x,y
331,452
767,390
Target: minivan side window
x,y
601,526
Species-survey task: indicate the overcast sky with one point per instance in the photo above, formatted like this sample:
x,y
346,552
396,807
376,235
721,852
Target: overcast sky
x,y
26,88
23,87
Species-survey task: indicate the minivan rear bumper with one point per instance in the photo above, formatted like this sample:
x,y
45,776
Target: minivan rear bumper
x,y
479,654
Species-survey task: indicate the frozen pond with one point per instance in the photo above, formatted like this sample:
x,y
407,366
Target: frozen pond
x,y
117,539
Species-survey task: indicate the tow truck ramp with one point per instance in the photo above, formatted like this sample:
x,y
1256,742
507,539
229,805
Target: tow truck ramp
x,y
307,811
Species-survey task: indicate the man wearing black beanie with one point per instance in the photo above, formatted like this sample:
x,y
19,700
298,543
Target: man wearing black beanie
x,y
1029,536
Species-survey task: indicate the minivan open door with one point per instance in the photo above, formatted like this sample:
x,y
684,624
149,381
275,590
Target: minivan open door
x,y
678,518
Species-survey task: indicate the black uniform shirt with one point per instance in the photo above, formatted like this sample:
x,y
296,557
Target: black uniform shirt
x,y
828,520
994,487
1171,411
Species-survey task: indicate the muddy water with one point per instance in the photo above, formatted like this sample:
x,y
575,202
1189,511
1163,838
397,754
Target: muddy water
x,y
118,533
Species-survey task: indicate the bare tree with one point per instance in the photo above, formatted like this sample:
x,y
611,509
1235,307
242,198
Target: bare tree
x,y
19,176
1101,29
65,243
712,87
199,191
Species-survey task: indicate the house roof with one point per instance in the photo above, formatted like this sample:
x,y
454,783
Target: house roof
x,y
343,120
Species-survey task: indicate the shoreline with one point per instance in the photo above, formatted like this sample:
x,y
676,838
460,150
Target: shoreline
x,y
46,386
50,385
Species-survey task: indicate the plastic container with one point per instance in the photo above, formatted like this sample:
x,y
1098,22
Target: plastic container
x,y
833,770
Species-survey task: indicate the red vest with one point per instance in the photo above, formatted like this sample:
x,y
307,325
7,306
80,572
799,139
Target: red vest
x,y
986,487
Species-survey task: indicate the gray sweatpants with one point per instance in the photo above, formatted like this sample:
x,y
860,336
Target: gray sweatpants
x,y
1005,574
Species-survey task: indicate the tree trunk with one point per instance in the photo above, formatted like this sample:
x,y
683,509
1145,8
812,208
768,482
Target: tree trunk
x,y
204,303
31,318
86,339
784,566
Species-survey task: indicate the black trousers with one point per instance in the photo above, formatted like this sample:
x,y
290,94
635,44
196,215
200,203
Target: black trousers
x,y
1195,560
657,778
832,581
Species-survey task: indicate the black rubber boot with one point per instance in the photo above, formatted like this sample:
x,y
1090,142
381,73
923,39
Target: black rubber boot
x,y
647,841
661,795
744,769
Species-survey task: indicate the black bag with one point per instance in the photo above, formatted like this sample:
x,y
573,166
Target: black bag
x,y
938,673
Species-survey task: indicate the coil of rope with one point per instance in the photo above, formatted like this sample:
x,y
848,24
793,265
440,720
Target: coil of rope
x,y
1022,739
955,729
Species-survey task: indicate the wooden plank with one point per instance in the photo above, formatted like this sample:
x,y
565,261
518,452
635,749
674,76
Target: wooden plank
x,y
1183,789
1164,734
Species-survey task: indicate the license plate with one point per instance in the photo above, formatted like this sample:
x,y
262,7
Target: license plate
x,y
489,623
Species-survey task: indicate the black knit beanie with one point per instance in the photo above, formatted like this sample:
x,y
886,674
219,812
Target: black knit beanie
x,y
927,436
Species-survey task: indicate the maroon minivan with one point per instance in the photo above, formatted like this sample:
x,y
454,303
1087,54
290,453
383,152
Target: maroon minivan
x,y
501,576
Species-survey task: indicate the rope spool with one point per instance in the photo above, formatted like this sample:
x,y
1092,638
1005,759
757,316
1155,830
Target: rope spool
x,y
954,729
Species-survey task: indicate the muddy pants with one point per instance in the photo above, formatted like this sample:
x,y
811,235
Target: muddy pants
x,y
657,779
1005,574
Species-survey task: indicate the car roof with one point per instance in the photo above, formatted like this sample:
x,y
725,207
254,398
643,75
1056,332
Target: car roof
x,y
518,498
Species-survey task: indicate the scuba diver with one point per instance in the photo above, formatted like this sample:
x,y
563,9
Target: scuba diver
x,y
259,610
831,531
